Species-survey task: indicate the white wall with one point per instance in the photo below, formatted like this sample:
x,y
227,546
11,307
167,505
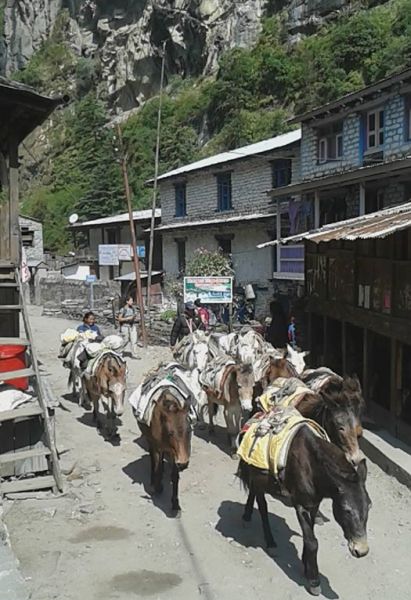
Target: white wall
x,y
251,264
76,272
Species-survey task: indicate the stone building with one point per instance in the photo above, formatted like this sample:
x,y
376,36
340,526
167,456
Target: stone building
x,y
31,231
223,202
355,153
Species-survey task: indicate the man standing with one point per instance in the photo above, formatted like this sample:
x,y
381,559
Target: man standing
x,y
184,324
203,314
128,325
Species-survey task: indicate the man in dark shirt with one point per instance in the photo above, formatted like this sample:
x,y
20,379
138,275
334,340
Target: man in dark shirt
x,y
184,324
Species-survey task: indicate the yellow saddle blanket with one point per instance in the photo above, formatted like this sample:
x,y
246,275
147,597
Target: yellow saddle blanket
x,y
266,442
283,392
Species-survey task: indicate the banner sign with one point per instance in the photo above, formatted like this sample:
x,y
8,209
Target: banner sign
x,y
108,255
210,290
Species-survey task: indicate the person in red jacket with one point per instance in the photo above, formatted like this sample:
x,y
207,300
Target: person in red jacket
x,y
203,315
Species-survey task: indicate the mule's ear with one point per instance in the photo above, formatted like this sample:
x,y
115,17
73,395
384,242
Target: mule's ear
x,y
305,353
362,469
285,353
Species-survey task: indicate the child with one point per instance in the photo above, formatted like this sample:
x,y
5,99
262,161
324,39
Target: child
x,y
292,338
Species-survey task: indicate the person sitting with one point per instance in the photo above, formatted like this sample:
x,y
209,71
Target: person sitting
x,y
203,315
89,324
184,324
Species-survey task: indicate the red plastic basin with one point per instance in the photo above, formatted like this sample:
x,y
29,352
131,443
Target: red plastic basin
x,y
13,358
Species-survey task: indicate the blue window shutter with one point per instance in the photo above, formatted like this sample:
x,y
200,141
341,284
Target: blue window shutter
x,y
180,200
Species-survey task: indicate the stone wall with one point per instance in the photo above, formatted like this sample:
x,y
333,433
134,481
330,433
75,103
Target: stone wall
x,y
396,140
71,298
310,167
250,180
35,252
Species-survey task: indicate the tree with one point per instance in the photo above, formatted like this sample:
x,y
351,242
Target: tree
x,y
209,263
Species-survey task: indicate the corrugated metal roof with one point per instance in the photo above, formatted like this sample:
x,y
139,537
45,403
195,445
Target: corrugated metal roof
x,y
138,215
374,225
132,276
280,141
220,221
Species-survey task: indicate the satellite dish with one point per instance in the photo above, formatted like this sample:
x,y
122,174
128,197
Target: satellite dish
x,y
73,218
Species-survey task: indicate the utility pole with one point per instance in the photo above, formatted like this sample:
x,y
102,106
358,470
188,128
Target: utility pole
x,y
139,291
154,202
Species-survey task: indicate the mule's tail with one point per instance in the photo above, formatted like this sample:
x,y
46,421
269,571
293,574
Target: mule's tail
x,y
243,473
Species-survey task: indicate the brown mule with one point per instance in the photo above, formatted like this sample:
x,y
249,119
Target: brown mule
x,y
107,384
315,469
235,395
169,434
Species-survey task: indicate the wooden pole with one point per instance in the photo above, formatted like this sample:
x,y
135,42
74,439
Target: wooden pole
x,y
139,292
154,201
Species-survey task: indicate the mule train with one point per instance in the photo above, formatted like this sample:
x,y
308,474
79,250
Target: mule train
x,y
295,430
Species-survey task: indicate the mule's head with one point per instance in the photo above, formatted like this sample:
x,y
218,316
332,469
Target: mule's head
x,y
176,429
279,366
296,358
245,382
344,405
351,505
115,371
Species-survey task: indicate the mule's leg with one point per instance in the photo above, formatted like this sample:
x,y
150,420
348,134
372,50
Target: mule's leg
x,y
232,416
157,468
248,509
175,477
210,414
307,519
268,536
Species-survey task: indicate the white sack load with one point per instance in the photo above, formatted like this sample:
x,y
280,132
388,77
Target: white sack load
x,y
11,399
113,342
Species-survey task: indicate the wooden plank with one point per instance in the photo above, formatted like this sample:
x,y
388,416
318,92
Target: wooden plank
x,y
25,485
14,341
23,455
21,413
7,375
10,307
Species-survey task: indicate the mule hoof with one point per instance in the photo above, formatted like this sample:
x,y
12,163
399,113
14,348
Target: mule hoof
x,y
271,550
234,455
176,513
201,426
314,589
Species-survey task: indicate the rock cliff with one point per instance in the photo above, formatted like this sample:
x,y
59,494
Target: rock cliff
x,y
125,37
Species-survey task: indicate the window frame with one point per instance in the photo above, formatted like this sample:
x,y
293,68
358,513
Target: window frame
x,y
322,157
377,130
180,203
281,172
338,155
224,192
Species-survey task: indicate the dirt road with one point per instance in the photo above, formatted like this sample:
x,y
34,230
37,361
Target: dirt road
x,y
106,538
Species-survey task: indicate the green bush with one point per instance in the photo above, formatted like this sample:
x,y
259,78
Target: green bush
x,y
168,315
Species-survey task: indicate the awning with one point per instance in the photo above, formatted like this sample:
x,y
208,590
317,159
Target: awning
x,y
374,225
132,277
210,222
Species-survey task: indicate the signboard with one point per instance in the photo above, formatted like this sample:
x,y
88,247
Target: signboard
x,y
91,278
210,290
124,252
108,255
141,251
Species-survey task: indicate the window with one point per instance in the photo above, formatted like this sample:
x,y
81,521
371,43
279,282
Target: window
x,y
27,237
375,129
224,244
407,118
330,143
339,145
180,197
224,192
181,255
322,150
281,171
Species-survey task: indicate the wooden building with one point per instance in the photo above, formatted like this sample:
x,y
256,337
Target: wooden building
x,y
358,303
22,110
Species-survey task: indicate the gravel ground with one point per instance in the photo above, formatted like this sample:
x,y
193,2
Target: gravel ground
x,y
106,538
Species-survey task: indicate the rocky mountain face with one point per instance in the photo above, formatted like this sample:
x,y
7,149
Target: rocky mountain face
x,y
125,37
